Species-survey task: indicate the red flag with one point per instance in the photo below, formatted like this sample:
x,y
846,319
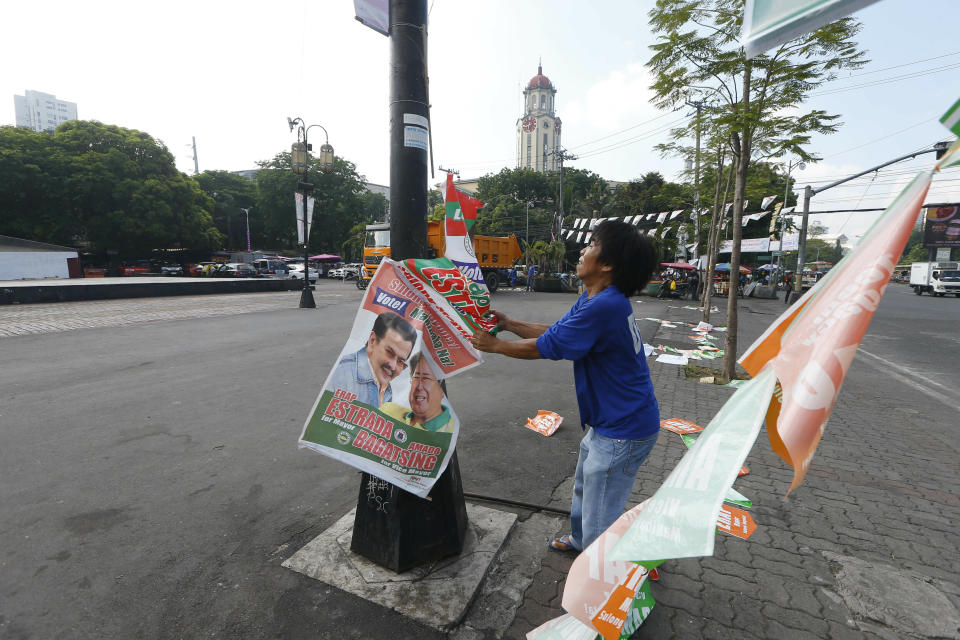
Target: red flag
x,y
462,216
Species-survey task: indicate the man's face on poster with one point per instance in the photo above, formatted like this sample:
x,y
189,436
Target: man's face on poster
x,y
425,393
388,355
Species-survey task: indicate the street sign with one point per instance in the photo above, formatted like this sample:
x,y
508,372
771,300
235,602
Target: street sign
x,y
736,522
680,426
777,253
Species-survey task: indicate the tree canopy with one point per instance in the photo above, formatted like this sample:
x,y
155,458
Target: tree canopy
x,y
340,202
754,107
115,188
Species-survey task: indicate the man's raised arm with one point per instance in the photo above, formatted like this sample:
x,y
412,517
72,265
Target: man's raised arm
x,y
519,327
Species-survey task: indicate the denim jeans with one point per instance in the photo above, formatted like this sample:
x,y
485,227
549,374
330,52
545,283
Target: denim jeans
x,y
606,470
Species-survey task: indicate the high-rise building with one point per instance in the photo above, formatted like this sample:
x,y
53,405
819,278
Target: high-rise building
x,y
42,111
538,129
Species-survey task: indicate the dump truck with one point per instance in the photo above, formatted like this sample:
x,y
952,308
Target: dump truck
x,y
493,252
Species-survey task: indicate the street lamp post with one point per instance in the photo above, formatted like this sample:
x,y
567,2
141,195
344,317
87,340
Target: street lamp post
x,y
300,163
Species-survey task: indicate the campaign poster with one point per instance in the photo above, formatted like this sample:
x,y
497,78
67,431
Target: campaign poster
x,y
382,408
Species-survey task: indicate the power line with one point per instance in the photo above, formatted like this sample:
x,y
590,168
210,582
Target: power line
x,y
897,66
584,144
876,83
885,137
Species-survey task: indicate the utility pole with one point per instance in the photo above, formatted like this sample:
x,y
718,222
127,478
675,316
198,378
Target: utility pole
x,y
413,531
698,105
196,163
409,129
562,154
809,192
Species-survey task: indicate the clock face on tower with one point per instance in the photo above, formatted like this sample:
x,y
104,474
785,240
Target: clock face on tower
x,y
529,124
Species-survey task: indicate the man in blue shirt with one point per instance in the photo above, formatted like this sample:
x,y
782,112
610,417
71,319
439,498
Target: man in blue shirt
x,y
367,372
614,391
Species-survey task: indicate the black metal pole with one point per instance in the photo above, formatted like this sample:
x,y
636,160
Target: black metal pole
x,y
408,129
306,296
412,531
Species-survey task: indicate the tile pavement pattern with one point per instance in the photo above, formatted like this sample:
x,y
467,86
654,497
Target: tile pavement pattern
x,y
32,319
858,499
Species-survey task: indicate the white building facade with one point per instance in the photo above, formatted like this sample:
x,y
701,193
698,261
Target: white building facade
x,y
42,111
538,129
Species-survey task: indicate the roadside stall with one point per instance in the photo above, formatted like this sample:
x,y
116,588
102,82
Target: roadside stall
x,y
721,277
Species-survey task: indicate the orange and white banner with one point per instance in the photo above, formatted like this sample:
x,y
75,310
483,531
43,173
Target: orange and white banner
x,y
811,346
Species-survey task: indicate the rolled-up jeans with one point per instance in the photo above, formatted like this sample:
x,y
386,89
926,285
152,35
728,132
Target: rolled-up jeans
x,y
606,470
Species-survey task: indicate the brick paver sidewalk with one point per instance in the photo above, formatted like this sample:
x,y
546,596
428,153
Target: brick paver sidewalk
x,y
866,547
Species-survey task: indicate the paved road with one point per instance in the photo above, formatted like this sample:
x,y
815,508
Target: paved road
x,y
915,340
151,485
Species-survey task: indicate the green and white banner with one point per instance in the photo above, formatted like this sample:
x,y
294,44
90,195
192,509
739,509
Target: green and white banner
x,y
769,23
680,519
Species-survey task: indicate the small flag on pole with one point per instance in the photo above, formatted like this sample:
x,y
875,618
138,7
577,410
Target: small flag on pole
x,y
951,119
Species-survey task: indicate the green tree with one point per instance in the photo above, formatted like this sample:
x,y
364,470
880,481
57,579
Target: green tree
x,y
759,114
507,195
339,202
230,194
116,188
33,199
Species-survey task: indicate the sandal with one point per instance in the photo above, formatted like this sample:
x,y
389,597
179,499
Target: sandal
x,y
563,544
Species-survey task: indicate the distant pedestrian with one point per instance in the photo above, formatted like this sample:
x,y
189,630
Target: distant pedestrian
x,y
692,283
513,276
530,273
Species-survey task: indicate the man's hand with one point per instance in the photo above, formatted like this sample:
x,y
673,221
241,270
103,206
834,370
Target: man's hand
x,y
483,341
503,321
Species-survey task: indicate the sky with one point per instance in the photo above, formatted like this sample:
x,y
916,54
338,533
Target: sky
x,y
229,74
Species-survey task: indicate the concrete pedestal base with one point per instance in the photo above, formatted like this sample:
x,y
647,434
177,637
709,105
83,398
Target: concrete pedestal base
x,y
437,595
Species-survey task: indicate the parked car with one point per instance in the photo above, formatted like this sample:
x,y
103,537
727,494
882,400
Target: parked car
x,y
172,270
271,268
296,272
348,272
236,270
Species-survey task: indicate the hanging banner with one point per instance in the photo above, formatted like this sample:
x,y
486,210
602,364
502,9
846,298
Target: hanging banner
x,y
298,201
374,14
310,202
775,217
442,283
675,214
770,23
811,346
680,519
766,202
382,409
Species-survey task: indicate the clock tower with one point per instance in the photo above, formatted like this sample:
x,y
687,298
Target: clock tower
x,y
538,129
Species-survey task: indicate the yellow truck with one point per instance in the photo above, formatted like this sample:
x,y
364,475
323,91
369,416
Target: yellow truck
x,y
493,252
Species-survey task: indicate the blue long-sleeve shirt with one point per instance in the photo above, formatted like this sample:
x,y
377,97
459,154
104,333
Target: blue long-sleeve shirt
x,y
614,389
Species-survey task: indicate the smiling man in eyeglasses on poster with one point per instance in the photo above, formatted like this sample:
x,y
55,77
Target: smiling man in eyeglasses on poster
x,y
367,373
